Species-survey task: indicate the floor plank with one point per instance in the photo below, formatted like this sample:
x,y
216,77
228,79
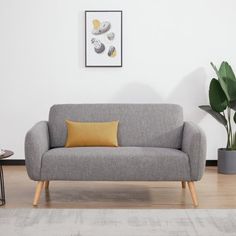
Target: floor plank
x,y
214,191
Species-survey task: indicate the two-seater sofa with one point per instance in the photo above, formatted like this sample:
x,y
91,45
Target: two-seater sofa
x,y
155,144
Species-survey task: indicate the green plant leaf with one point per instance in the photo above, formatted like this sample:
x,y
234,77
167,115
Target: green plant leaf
x,y
227,80
234,117
232,105
222,81
226,71
220,118
216,70
217,97
231,88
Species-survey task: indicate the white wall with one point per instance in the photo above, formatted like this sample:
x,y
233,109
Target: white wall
x,y
168,46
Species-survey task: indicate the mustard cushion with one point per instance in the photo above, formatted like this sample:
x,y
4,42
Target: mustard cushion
x,y
80,134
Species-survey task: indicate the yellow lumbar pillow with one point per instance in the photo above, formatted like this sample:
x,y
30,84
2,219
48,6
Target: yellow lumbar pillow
x,y
80,134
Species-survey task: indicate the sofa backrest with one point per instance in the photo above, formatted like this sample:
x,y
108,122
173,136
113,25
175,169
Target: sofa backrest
x,y
144,125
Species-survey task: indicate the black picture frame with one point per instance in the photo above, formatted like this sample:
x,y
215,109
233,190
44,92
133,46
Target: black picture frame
x,y
121,38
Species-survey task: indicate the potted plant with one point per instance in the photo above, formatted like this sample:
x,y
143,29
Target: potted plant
x,y
222,97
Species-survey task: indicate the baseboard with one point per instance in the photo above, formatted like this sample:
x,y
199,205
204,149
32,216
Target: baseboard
x,y
12,162
22,162
211,163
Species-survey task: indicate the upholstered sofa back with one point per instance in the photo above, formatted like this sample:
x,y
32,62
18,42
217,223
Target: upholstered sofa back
x,y
143,125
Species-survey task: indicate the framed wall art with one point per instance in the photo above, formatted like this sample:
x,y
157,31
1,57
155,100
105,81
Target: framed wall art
x,y
103,38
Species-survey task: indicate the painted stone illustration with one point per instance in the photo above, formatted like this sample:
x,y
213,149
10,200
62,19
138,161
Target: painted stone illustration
x,y
111,51
98,46
111,36
100,27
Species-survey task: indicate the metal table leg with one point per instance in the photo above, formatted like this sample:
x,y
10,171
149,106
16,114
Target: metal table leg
x,y
2,198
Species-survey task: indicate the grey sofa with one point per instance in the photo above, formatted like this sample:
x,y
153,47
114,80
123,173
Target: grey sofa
x,y
155,144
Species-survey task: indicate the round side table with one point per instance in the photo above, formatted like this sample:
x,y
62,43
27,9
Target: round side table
x,y
7,154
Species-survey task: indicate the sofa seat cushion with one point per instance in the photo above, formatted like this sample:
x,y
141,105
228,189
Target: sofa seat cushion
x,y
115,164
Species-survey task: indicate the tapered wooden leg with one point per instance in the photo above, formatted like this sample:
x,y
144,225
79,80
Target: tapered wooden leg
x,y
38,192
183,184
193,193
46,184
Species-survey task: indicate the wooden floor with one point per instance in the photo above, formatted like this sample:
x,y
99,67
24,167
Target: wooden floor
x,y
214,191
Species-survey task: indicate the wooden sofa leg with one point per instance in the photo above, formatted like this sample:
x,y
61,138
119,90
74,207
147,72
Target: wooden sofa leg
x,y
38,192
193,193
46,184
183,184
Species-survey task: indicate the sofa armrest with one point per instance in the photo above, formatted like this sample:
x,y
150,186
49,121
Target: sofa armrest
x,y
194,144
36,144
